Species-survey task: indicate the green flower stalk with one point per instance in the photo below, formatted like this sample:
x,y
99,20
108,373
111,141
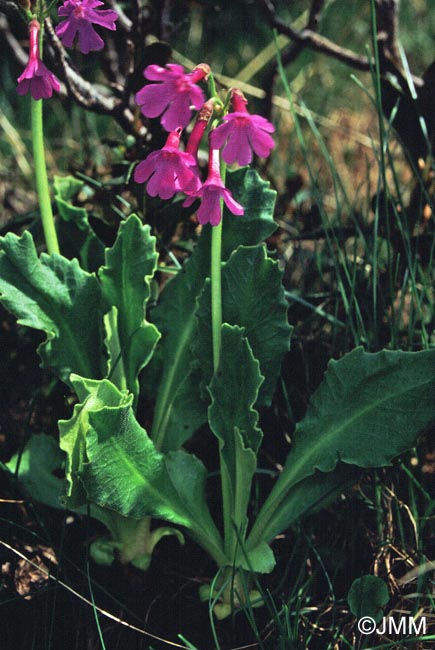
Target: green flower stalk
x,y
216,292
214,194
37,80
42,185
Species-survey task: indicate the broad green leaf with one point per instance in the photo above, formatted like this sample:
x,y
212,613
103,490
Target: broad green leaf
x,y
253,298
257,223
175,314
188,411
233,420
175,319
54,295
367,596
93,395
66,189
76,237
188,476
233,391
34,467
124,472
112,463
125,282
369,409
258,560
308,497
115,362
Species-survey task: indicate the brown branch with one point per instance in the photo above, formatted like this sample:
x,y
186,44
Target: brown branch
x,y
387,19
296,47
86,94
291,52
316,42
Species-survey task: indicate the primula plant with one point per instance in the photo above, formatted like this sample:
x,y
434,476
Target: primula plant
x,y
207,356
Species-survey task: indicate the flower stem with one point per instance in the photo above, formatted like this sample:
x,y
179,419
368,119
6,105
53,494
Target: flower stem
x,y
41,177
216,283
212,85
216,292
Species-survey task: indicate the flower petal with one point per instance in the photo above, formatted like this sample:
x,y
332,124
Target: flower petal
x,y
238,148
232,205
153,99
66,31
157,73
103,17
89,39
23,86
196,97
261,142
210,208
178,113
144,170
219,135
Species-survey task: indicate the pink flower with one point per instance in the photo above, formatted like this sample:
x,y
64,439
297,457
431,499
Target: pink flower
x,y
242,133
80,14
175,94
211,193
36,78
168,170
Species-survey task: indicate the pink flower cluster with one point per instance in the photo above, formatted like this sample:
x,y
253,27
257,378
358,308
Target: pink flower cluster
x,y
79,16
171,170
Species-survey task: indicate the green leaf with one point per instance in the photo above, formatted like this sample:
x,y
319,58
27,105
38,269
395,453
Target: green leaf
x,y
188,476
34,467
233,391
125,282
188,410
253,298
76,237
113,463
233,420
99,439
119,453
367,596
175,319
66,189
308,497
369,409
54,295
175,314
93,395
257,223
258,560
115,362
